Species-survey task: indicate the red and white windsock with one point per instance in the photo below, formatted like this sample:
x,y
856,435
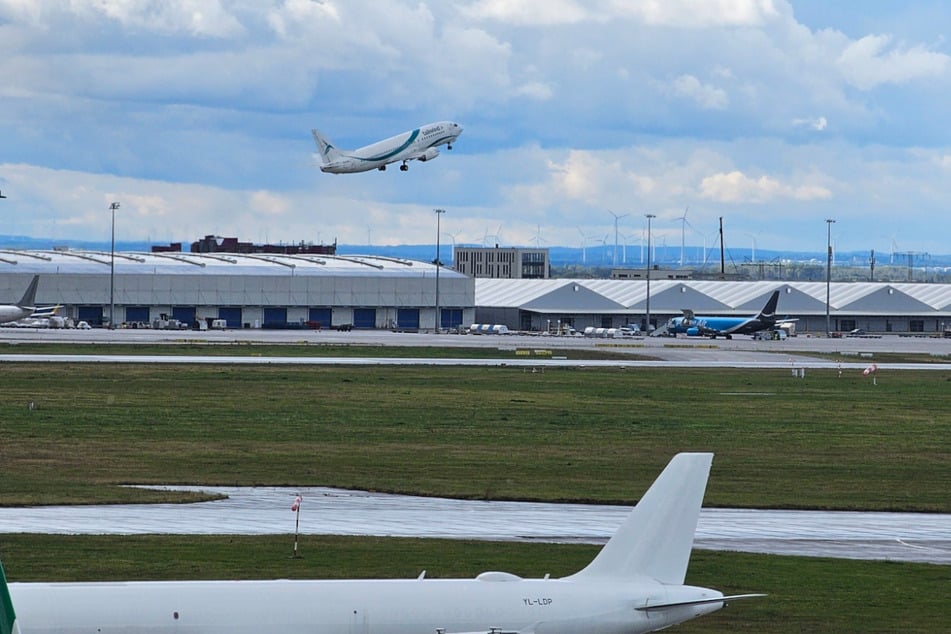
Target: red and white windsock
x,y
872,369
296,505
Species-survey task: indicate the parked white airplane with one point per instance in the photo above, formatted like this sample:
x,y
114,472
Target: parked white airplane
x,y
25,307
635,584
421,144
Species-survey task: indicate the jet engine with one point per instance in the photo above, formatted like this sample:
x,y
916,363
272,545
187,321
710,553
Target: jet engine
x,y
429,154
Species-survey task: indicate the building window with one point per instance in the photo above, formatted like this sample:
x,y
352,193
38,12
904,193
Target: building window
x,y
916,325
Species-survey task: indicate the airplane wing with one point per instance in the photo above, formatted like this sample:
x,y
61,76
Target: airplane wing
x,y
45,311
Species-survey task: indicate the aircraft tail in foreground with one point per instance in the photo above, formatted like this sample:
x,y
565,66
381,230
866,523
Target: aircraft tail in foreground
x,y
656,538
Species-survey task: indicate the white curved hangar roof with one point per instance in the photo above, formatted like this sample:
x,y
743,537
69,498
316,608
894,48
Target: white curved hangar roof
x,y
720,297
175,263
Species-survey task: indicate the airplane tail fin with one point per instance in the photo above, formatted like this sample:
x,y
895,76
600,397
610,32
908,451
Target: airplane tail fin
x,y
29,297
656,538
769,311
328,152
8,619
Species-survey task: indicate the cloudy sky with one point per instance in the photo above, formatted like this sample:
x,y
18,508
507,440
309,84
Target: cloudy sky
x,y
195,116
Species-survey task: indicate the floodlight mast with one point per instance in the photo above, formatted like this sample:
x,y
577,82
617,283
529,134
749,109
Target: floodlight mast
x,y
112,269
438,321
647,325
829,223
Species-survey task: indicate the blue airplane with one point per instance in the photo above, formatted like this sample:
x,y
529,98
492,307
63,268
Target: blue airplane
x,y
713,327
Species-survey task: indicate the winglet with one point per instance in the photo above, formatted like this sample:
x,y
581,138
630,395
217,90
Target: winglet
x,y
29,297
656,538
8,619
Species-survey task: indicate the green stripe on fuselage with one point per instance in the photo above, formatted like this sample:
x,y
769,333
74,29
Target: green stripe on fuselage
x,y
391,154
7,617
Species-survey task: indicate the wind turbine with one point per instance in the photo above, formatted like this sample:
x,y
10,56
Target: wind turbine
x,y
538,237
753,249
497,235
683,233
604,246
616,218
584,243
452,236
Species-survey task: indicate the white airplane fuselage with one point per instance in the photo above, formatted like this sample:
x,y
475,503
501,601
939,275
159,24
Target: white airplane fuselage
x,y
421,144
635,584
353,607
13,313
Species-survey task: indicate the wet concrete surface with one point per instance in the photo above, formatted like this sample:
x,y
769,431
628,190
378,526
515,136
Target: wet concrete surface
x,y
909,537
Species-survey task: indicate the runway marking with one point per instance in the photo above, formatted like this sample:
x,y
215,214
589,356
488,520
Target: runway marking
x,y
747,393
904,543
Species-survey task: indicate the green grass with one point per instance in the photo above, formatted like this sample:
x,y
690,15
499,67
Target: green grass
x,y
805,594
500,433
569,434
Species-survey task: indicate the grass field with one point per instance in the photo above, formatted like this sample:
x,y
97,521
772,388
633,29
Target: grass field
x,y
502,433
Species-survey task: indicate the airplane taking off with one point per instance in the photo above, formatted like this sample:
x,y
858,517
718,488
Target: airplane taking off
x,y
713,327
635,584
25,307
420,144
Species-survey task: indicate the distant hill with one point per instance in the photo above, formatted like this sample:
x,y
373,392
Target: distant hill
x,y
594,256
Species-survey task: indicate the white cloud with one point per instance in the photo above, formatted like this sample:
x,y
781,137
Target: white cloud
x,y
203,18
673,13
818,123
869,62
706,96
698,13
535,90
528,12
737,187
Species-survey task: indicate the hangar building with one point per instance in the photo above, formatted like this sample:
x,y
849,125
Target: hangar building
x,y
873,306
296,290
245,290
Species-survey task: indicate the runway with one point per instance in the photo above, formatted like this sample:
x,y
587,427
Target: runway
x,y
740,352
911,537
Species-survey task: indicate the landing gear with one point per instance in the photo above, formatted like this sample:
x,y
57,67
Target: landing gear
x,y
449,146
404,167
382,168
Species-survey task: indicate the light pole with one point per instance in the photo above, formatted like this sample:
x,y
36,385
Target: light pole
x,y
112,269
829,222
439,213
647,326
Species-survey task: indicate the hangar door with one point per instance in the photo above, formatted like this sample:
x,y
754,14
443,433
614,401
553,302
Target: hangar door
x,y
407,318
450,317
320,316
231,315
275,317
137,314
92,315
184,314
364,318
